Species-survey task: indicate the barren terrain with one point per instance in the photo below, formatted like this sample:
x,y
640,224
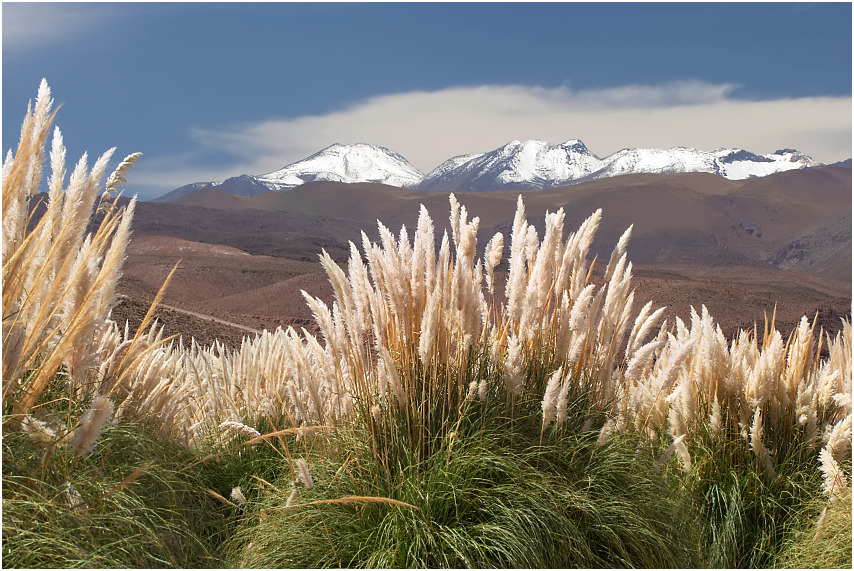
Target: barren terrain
x,y
741,248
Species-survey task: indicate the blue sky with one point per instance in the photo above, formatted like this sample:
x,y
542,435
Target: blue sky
x,y
211,90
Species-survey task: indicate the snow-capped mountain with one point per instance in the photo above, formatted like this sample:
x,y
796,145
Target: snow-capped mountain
x,y
534,165
340,163
518,165
346,163
734,164
528,165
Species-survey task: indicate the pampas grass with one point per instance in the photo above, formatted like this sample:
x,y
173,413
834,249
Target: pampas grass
x,y
93,422
58,281
819,541
492,496
416,358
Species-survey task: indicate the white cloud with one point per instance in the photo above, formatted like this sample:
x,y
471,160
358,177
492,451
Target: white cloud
x,y
29,25
36,25
429,127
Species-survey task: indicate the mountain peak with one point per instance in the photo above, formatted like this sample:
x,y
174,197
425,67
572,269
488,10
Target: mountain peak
x,y
576,145
357,162
531,164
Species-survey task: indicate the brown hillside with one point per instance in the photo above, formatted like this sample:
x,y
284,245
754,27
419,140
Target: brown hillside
x,y
698,239
695,218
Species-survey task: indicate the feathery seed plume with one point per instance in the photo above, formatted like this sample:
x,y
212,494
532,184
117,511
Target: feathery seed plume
x,y
291,497
662,460
834,479
95,419
550,397
304,474
239,428
715,418
513,366
38,430
604,434
237,495
481,390
561,403
684,455
763,455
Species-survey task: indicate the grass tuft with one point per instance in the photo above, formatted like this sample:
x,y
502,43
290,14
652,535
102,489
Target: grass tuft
x,y
491,496
125,505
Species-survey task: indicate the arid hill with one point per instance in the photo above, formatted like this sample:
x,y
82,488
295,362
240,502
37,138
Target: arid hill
x,y
739,247
693,218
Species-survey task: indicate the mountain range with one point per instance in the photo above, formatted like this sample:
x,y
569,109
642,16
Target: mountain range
x,y
697,238
518,165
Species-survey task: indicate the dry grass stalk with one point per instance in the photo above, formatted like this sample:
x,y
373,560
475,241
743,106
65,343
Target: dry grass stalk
x,y
348,500
221,498
304,475
58,281
93,422
409,325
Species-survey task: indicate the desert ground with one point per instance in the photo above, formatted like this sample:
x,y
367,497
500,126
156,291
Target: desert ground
x,y
264,292
741,248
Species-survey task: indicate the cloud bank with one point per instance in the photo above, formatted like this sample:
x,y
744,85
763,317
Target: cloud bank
x,y
428,127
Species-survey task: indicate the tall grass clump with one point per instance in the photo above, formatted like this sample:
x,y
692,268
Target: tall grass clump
x,y
464,442
491,495
125,503
820,538
83,485
413,332
759,428
430,424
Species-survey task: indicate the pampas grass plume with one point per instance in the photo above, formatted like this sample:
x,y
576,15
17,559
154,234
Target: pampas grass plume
x,y
513,366
237,495
239,428
762,453
604,434
95,419
715,418
550,396
481,390
684,455
662,460
291,497
39,430
834,479
304,474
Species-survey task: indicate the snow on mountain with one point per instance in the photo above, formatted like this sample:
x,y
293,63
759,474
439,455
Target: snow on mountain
x,y
734,164
346,163
534,165
738,165
518,165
